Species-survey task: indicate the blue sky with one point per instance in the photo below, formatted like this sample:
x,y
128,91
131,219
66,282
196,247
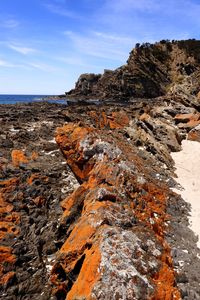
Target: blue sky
x,y
46,44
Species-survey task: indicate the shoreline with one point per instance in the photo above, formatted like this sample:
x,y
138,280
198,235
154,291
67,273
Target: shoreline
x,y
45,181
20,99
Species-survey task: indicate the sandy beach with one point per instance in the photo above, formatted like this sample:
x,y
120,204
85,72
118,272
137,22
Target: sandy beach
x,y
187,163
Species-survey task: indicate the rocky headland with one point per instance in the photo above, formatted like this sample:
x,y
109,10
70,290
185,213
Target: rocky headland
x,y
152,70
87,204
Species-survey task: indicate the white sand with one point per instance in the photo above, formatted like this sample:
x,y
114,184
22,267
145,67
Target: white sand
x,y
187,163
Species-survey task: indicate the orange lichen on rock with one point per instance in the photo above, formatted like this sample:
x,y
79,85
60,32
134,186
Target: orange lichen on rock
x,y
7,278
79,237
154,216
8,228
69,144
9,182
165,280
13,217
115,120
113,194
6,259
184,118
118,120
9,221
8,218
32,178
187,121
80,243
6,255
194,136
154,213
34,155
18,157
4,206
88,276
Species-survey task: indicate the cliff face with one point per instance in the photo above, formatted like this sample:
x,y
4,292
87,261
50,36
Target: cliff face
x,y
152,70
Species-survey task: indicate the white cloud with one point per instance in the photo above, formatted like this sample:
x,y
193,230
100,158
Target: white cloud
x,y
78,61
60,1
68,32
113,37
28,65
152,19
102,45
151,6
21,49
9,23
42,66
62,11
130,5
6,64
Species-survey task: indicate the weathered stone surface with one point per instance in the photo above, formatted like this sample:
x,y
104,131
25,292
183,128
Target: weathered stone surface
x,y
33,181
194,134
98,220
87,82
187,121
152,70
121,207
117,223
9,226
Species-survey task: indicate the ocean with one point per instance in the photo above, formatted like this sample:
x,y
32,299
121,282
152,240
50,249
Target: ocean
x,y
13,99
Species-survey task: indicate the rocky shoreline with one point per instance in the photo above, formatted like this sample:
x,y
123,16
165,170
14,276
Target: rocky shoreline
x,y
86,201
34,179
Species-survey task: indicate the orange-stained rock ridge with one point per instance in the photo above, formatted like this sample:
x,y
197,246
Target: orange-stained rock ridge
x,y
9,221
98,219
116,246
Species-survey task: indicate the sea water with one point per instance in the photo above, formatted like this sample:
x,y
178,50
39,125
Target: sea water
x,y
13,99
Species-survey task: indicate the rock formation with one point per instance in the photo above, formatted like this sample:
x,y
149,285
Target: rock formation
x,y
123,232
119,244
152,70
87,205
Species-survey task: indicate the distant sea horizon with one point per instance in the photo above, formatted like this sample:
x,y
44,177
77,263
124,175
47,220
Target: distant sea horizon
x,y
17,98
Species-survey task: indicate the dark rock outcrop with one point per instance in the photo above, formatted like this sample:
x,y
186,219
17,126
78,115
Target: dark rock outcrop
x,y
152,70
87,209
33,180
106,225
